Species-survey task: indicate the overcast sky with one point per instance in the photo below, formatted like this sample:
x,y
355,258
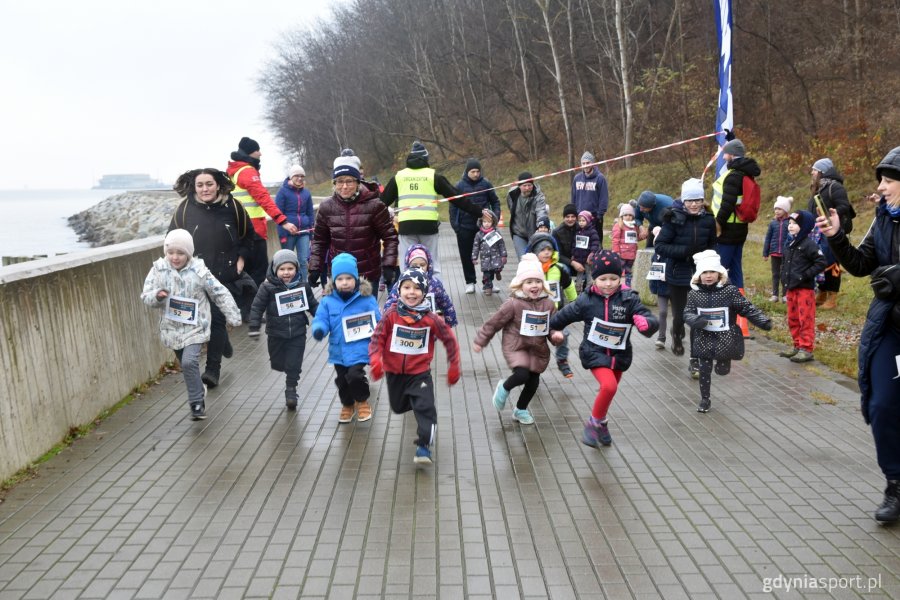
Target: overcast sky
x,y
112,86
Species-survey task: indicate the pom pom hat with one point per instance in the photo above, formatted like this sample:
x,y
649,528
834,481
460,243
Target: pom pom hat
x,y
179,239
529,268
626,209
607,262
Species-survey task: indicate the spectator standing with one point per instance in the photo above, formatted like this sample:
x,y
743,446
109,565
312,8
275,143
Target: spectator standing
x,y
527,204
464,224
590,192
775,244
651,207
828,184
295,202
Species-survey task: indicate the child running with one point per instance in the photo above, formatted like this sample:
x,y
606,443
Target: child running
x,y
182,286
403,348
524,319
775,244
418,257
608,312
711,312
285,299
625,236
490,250
348,312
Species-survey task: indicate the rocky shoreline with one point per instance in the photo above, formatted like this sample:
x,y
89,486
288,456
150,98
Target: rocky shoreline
x,y
128,216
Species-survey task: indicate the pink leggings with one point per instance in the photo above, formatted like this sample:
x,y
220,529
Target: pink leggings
x,y
609,383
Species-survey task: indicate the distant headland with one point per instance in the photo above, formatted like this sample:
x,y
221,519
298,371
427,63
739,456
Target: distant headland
x,y
129,181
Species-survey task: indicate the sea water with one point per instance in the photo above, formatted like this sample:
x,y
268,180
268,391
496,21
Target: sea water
x,y
35,222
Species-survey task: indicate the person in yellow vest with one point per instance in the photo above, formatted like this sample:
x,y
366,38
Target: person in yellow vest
x,y
732,232
243,169
415,190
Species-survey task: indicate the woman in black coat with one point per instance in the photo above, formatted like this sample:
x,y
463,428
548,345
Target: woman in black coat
x,y
878,255
828,184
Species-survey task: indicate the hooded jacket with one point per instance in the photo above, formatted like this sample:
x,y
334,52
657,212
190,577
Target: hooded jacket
x,y
834,195
530,352
586,255
329,320
297,205
720,345
552,270
682,235
491,256
435,286
802,258
279,326
483,196
358,227
733,187
249,180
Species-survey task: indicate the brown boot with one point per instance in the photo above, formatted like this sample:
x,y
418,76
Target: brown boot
x,y
830,301
820,298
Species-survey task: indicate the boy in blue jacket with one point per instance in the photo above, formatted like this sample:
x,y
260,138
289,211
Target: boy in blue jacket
x,y
348,312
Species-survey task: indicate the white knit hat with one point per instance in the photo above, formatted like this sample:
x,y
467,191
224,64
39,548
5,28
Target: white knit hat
x,y
692,189
352,161
296,170
529,268
709,260
179,239
626,209
784,203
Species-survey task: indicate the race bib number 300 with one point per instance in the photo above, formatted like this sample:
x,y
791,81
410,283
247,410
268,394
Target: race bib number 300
x,y
359,327
291,301
609,335
182,310
410,340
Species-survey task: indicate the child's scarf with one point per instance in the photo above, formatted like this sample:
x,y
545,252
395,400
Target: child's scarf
x,y
412,314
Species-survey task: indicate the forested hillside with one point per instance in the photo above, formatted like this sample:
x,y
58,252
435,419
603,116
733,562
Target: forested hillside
x,y
537,78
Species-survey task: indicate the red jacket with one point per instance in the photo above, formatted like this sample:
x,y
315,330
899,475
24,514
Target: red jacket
x,y
406,364
359,228
249,180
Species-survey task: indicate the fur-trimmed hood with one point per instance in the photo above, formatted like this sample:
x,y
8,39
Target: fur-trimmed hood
x,y
364,288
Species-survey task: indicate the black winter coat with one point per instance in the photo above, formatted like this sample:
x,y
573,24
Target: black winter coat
x,y
279,326
485,198
618,308
733,186
802,262
681,236
834,195
878,248
720,345
565,242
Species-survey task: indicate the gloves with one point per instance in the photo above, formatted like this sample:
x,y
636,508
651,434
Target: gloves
x,y
376,368
318,334
700,322
254,332
729,135
640,321
314,278
766,326
390,275
453,373
886,282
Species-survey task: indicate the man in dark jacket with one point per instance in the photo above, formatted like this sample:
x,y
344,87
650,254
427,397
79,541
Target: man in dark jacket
x,y
464,224
415,190
565,238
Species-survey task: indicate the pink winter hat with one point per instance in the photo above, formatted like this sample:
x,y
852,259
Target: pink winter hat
x,y
587,216
784,203
529,268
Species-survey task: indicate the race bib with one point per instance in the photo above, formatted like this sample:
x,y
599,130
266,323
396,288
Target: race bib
x,y
429,298
535,323
554,291
492,238
182,310
410,340
358,327
291,301
581,241
718,318
657,272
631,236
609,335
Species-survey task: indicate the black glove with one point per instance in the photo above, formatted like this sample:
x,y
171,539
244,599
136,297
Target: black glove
x,y
729,135
766,326
700,322
390,275
314,278
886,282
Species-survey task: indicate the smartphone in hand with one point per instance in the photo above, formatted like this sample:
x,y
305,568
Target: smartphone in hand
x,y
820,206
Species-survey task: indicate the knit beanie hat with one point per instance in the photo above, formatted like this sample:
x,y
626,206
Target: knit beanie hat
x,y
347,159
417,276
626,209
708,260
417,253
542,222
529,268
296,170
570,209
805,220
525,175
418,149
586,215
606,262
588,157
179,239
472,163
284,256
784,203
735,147
647,199
345,170
692,189
248,146
823,165
344,264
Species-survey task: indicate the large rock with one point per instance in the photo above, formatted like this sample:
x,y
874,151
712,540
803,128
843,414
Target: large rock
x,y
128,216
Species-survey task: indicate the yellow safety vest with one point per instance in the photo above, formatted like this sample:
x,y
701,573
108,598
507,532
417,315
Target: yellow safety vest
x,y
717,189
254,210
416,195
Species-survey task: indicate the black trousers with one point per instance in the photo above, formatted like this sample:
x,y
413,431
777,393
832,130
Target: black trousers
x,y
465,241
529,379
259,261
678,297
286,355
415,393
352,384
218,338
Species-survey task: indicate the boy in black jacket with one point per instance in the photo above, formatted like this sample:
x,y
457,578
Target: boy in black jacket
x,y
285,300
803,261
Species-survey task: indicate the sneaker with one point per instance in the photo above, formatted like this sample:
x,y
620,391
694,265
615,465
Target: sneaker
x,y
789,353
773,298
784,299
704,405
677,347
488,291
423,455
210,378
802,356
591,436
290,398
500,396
661,344
363,411
523,416
227,351
197,411
603,434
346,414
565,369
470,288
694,369
723,367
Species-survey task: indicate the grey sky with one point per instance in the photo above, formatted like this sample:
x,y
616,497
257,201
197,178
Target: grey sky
x,y
105,86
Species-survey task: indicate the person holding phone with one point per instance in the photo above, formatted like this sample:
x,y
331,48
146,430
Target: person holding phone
x,y
827,187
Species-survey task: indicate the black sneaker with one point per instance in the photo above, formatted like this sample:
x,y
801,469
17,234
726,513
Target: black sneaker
x,y
704,405
889,511
228,351
677,347
290,398
197,411
210,378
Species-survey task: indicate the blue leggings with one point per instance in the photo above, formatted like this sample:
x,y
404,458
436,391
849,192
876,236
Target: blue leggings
x,y
884,405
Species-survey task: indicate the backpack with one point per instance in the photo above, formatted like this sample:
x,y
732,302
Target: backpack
x,y
748,209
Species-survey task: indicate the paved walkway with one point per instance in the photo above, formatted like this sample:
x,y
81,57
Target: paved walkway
x,y
779,480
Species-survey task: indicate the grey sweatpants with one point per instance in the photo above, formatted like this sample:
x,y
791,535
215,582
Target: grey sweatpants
x,y
429,241
189,357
